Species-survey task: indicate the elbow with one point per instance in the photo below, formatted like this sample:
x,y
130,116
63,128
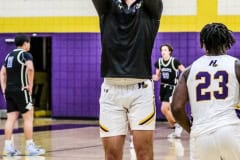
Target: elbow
x,y
3,76
30,69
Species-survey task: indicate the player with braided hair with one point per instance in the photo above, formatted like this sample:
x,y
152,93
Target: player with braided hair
x,y
211,84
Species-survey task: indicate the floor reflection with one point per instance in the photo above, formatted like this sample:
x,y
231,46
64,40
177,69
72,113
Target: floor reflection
x,y
23,158
79,140
178,146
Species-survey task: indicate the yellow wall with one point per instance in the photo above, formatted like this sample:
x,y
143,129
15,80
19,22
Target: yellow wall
x,y
207,12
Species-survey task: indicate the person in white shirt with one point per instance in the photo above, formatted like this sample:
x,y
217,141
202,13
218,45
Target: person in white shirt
x,y
211,85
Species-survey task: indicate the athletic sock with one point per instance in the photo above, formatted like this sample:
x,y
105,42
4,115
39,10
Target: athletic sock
x,y
8,142
131,141
28,142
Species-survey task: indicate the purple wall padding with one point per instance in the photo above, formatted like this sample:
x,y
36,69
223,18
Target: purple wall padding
x,y
76,75
75,69
4,49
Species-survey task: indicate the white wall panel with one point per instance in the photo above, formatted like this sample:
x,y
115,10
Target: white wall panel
x,y
228,7
36,8
180,7
33,8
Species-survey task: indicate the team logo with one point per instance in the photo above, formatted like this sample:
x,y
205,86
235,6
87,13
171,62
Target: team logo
x,y
213,63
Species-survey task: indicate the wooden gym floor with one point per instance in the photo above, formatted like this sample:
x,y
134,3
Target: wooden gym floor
x,y
79,140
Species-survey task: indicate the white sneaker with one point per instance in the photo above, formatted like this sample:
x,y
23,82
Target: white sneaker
x,y
178,130
177,144
173,135
10,150
179,148
34,158
33,150
133,154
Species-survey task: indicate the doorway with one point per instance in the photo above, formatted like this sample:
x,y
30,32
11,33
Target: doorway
x,y
41,50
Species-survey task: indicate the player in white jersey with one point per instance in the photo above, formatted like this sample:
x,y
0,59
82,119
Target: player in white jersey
x,y
211,85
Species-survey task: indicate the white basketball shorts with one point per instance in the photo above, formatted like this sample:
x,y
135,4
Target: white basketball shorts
x,y
122,106
223,144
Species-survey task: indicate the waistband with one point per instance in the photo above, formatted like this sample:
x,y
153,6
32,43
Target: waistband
x,y
166,84
142,84
123,81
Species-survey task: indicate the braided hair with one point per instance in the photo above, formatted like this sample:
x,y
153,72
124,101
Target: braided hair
x,y
216,38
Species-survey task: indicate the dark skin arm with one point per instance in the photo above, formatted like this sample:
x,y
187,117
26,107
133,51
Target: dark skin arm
x,y
102,6
179,101
154,7
180,98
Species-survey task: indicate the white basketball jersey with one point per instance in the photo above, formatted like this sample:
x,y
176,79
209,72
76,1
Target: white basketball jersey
x,y
213,93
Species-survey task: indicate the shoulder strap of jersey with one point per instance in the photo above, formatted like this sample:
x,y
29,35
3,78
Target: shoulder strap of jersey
x,y
20,54
160,62
173,66
7,56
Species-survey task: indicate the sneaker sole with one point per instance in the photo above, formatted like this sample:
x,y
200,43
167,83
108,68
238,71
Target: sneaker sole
x,y
36,154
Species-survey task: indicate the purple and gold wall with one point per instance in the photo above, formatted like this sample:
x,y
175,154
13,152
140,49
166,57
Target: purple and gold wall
x,y
76,48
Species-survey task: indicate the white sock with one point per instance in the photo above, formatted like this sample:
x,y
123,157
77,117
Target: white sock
x,y
131,141
178,129
12,139
28,142
8,142
131,137
176,125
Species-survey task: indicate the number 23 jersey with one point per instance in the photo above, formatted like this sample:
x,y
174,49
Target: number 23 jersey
x,y
213,93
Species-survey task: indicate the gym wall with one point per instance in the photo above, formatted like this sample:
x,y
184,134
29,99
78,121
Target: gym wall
x,y
74,29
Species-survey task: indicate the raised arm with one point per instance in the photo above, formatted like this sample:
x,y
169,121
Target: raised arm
x,y
102,6
180,99
154,7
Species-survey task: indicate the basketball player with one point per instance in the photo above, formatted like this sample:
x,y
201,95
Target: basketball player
x,y
167,68
128,30
17,75
211,85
